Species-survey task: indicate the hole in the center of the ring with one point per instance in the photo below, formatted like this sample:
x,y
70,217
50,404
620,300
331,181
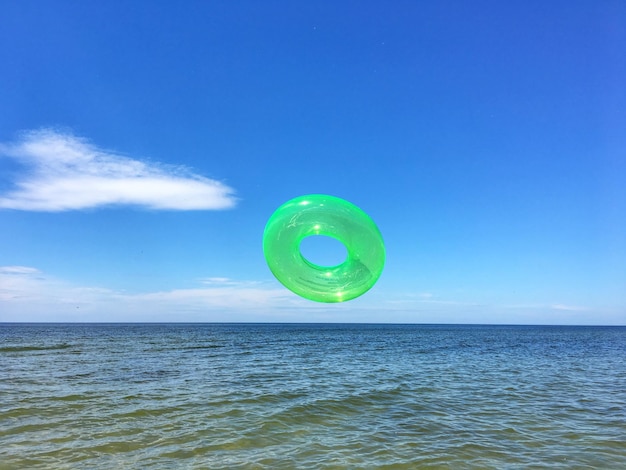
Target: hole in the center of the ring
x,y
323,250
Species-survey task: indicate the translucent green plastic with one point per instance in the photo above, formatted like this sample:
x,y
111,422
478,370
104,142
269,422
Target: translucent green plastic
x,y
319,214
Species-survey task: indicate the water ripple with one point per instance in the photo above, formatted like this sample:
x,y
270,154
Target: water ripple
x,y
320,397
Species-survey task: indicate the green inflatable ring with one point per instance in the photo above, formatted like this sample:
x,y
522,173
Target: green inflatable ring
x,y
319,214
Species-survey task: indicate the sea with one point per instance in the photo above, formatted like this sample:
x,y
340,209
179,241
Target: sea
x,y
311,396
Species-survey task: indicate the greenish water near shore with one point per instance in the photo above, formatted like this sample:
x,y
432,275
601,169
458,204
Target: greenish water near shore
x,y
228,396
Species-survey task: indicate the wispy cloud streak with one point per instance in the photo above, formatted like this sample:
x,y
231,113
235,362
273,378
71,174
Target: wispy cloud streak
x,y
28,294
64,172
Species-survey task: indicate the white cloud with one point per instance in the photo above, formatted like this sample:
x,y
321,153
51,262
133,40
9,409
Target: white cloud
x,y
68,173
30,295
17,270
27,294
211,281
569,308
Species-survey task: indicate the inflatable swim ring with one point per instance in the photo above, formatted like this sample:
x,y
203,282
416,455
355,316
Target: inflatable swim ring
x,y
319,214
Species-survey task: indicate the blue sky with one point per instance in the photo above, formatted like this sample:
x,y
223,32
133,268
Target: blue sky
x,y
144,145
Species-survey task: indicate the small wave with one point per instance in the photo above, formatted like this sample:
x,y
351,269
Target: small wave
x,y
34,348
203,346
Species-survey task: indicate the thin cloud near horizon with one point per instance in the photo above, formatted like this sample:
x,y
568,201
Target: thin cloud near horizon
x,y
65,172
29,294
32,295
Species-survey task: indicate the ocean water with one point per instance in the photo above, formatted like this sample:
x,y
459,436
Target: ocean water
x,y
239,396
